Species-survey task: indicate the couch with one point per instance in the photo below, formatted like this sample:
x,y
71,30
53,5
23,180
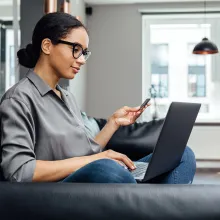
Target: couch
x,y
65,201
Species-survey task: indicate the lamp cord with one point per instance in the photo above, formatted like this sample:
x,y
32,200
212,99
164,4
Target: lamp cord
x,y
205,18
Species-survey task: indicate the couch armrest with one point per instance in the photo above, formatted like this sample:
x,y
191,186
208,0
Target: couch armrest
x,y
136,140
67,201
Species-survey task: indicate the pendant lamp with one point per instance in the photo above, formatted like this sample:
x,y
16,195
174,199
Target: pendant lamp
x,y
205,46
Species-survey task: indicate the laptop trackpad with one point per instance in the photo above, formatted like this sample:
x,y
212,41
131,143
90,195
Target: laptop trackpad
x,y
140,171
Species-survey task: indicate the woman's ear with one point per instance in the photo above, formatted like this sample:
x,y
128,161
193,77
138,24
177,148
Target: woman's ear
x,y
46,46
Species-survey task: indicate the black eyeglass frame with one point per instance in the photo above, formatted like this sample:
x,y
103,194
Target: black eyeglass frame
x,y
84,52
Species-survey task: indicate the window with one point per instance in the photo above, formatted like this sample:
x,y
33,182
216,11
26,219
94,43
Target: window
x,y
170,69
196,73
159,70
2,58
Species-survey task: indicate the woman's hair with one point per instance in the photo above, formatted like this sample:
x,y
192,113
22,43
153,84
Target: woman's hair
x,y
53,26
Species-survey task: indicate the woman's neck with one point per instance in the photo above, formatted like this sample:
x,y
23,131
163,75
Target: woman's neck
x,y
47,74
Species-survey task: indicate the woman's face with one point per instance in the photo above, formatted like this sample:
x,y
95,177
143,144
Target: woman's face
x,y
61,55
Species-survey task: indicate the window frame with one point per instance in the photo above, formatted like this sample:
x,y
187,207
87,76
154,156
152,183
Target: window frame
x,y
148,20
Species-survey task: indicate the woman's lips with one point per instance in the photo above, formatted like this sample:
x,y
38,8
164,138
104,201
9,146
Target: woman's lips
x,y
75,70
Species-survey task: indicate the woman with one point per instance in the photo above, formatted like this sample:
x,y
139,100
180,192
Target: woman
x,y
43,137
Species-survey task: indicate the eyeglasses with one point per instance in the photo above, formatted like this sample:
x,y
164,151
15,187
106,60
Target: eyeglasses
x,y
77,49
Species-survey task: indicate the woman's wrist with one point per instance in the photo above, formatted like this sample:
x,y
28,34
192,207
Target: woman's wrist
x,y
111,123
103,137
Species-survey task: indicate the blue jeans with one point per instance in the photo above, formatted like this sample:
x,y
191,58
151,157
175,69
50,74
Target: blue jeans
x,y
109,171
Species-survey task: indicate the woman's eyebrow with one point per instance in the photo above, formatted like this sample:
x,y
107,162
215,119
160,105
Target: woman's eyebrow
x,y
80,45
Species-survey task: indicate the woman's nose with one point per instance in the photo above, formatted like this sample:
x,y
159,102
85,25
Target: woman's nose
x,y
81,60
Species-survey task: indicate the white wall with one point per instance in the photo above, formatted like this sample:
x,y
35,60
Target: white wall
x,y
78,85
205,142
6,12
115,67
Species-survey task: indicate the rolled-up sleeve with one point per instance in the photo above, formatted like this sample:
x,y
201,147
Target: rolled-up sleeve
x,y
17,141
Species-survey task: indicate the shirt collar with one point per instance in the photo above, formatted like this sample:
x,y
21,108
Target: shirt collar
x,y
58,87
41,86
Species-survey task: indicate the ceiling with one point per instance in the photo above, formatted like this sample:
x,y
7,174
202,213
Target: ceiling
x,y
141,1
96,2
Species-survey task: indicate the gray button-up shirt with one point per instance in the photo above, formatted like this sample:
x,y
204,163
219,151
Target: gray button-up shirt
x,y
37,125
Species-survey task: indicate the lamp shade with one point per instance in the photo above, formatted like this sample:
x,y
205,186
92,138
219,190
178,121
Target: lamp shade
x,y
205,47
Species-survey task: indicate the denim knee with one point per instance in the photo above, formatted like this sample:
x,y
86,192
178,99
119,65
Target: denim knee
x,y
112,172
189,153
189,158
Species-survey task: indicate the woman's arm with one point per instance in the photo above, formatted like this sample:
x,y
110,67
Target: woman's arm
x,y
51,171
103,137
122,117
47,171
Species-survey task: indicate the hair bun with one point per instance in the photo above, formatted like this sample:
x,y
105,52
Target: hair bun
x,y
26,56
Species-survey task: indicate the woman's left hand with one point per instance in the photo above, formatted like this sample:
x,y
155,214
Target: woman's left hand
x,y
126,115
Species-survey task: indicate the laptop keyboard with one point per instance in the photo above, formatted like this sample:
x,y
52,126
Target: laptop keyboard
x,y
140,171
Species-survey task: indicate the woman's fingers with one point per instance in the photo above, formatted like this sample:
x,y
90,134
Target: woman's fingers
x,y
121,163
136,109
120,157
129,163
131,109
140,111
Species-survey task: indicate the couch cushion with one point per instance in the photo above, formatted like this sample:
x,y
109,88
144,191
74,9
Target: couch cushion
x,y
136,140
59,201
1,176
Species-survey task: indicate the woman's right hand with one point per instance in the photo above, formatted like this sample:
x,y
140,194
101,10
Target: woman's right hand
x,y
122,159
